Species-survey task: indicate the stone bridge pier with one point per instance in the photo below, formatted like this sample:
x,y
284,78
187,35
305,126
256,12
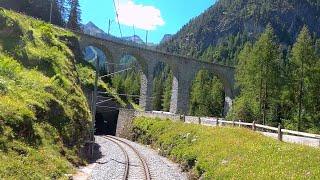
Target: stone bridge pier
x,y
145,101
181,85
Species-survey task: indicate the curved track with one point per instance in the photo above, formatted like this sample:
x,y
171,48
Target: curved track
x,y
127,163
144,165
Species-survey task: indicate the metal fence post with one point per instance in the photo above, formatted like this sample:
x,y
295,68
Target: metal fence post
x,y
217,122
199,120
239,123
94,103
233,124
279,132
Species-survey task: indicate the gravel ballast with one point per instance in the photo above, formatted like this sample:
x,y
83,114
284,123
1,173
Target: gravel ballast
x,y
111,165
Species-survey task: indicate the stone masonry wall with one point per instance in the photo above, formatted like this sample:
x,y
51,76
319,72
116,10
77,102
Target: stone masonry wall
x,y
126,117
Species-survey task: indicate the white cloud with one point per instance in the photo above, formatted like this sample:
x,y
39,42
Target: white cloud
x,y
141,16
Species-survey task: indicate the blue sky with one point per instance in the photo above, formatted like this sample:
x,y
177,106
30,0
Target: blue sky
x,y
159,17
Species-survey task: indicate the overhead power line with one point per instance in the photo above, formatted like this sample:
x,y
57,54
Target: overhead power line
x,y
115,73
117,15
104,101
108,107
128,95
123,64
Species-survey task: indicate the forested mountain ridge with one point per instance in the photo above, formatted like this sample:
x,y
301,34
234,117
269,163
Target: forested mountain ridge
x,y
64,13
228,24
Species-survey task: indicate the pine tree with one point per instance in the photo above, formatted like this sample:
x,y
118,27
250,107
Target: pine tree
x,y
157,93
246,106
57,12
74,15
303,62
267,57
38,9
258,75
216,95
207,95
166,100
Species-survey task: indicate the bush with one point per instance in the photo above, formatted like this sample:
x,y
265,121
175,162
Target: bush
x,y
8,26
3,87
244,109
46,33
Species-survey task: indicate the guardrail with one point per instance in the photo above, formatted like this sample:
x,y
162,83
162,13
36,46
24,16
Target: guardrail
x,y
278,129
211,121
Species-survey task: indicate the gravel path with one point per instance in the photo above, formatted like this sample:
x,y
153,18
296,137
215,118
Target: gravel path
x,y
295,139
111,165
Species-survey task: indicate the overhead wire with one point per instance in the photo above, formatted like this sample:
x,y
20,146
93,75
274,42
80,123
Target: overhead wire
x,y
117,15
104,101
115,73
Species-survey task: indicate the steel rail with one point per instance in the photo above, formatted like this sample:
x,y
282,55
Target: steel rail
x,y
144,163
127,163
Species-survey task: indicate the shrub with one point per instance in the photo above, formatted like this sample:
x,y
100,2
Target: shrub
x,y
3,87
46,33
8,26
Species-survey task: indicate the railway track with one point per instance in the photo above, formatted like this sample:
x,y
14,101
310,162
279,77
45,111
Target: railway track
x,y
129,172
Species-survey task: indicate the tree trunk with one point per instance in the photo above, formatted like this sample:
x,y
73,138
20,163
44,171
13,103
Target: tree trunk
x,y
300,97
260,92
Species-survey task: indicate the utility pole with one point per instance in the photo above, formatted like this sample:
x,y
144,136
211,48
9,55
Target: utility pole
x,y
134,31
147,37
109,27
51,6
94,102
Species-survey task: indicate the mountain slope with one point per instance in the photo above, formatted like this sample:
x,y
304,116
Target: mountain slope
x,y
166,38
229,23
93,30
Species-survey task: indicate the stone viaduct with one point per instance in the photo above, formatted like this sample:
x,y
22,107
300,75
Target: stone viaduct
x,y
184,70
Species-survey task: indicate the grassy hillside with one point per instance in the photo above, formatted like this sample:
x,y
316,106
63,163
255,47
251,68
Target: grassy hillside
x,y
44,115
228,153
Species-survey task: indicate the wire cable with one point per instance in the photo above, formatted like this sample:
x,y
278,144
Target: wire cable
x,y
128,95
115,73
115,7
108,107
104,101
123,64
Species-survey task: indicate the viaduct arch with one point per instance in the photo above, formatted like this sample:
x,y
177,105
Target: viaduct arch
x,y
184,70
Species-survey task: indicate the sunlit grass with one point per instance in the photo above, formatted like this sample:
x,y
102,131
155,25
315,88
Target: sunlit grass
x,y
228,153
44,115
